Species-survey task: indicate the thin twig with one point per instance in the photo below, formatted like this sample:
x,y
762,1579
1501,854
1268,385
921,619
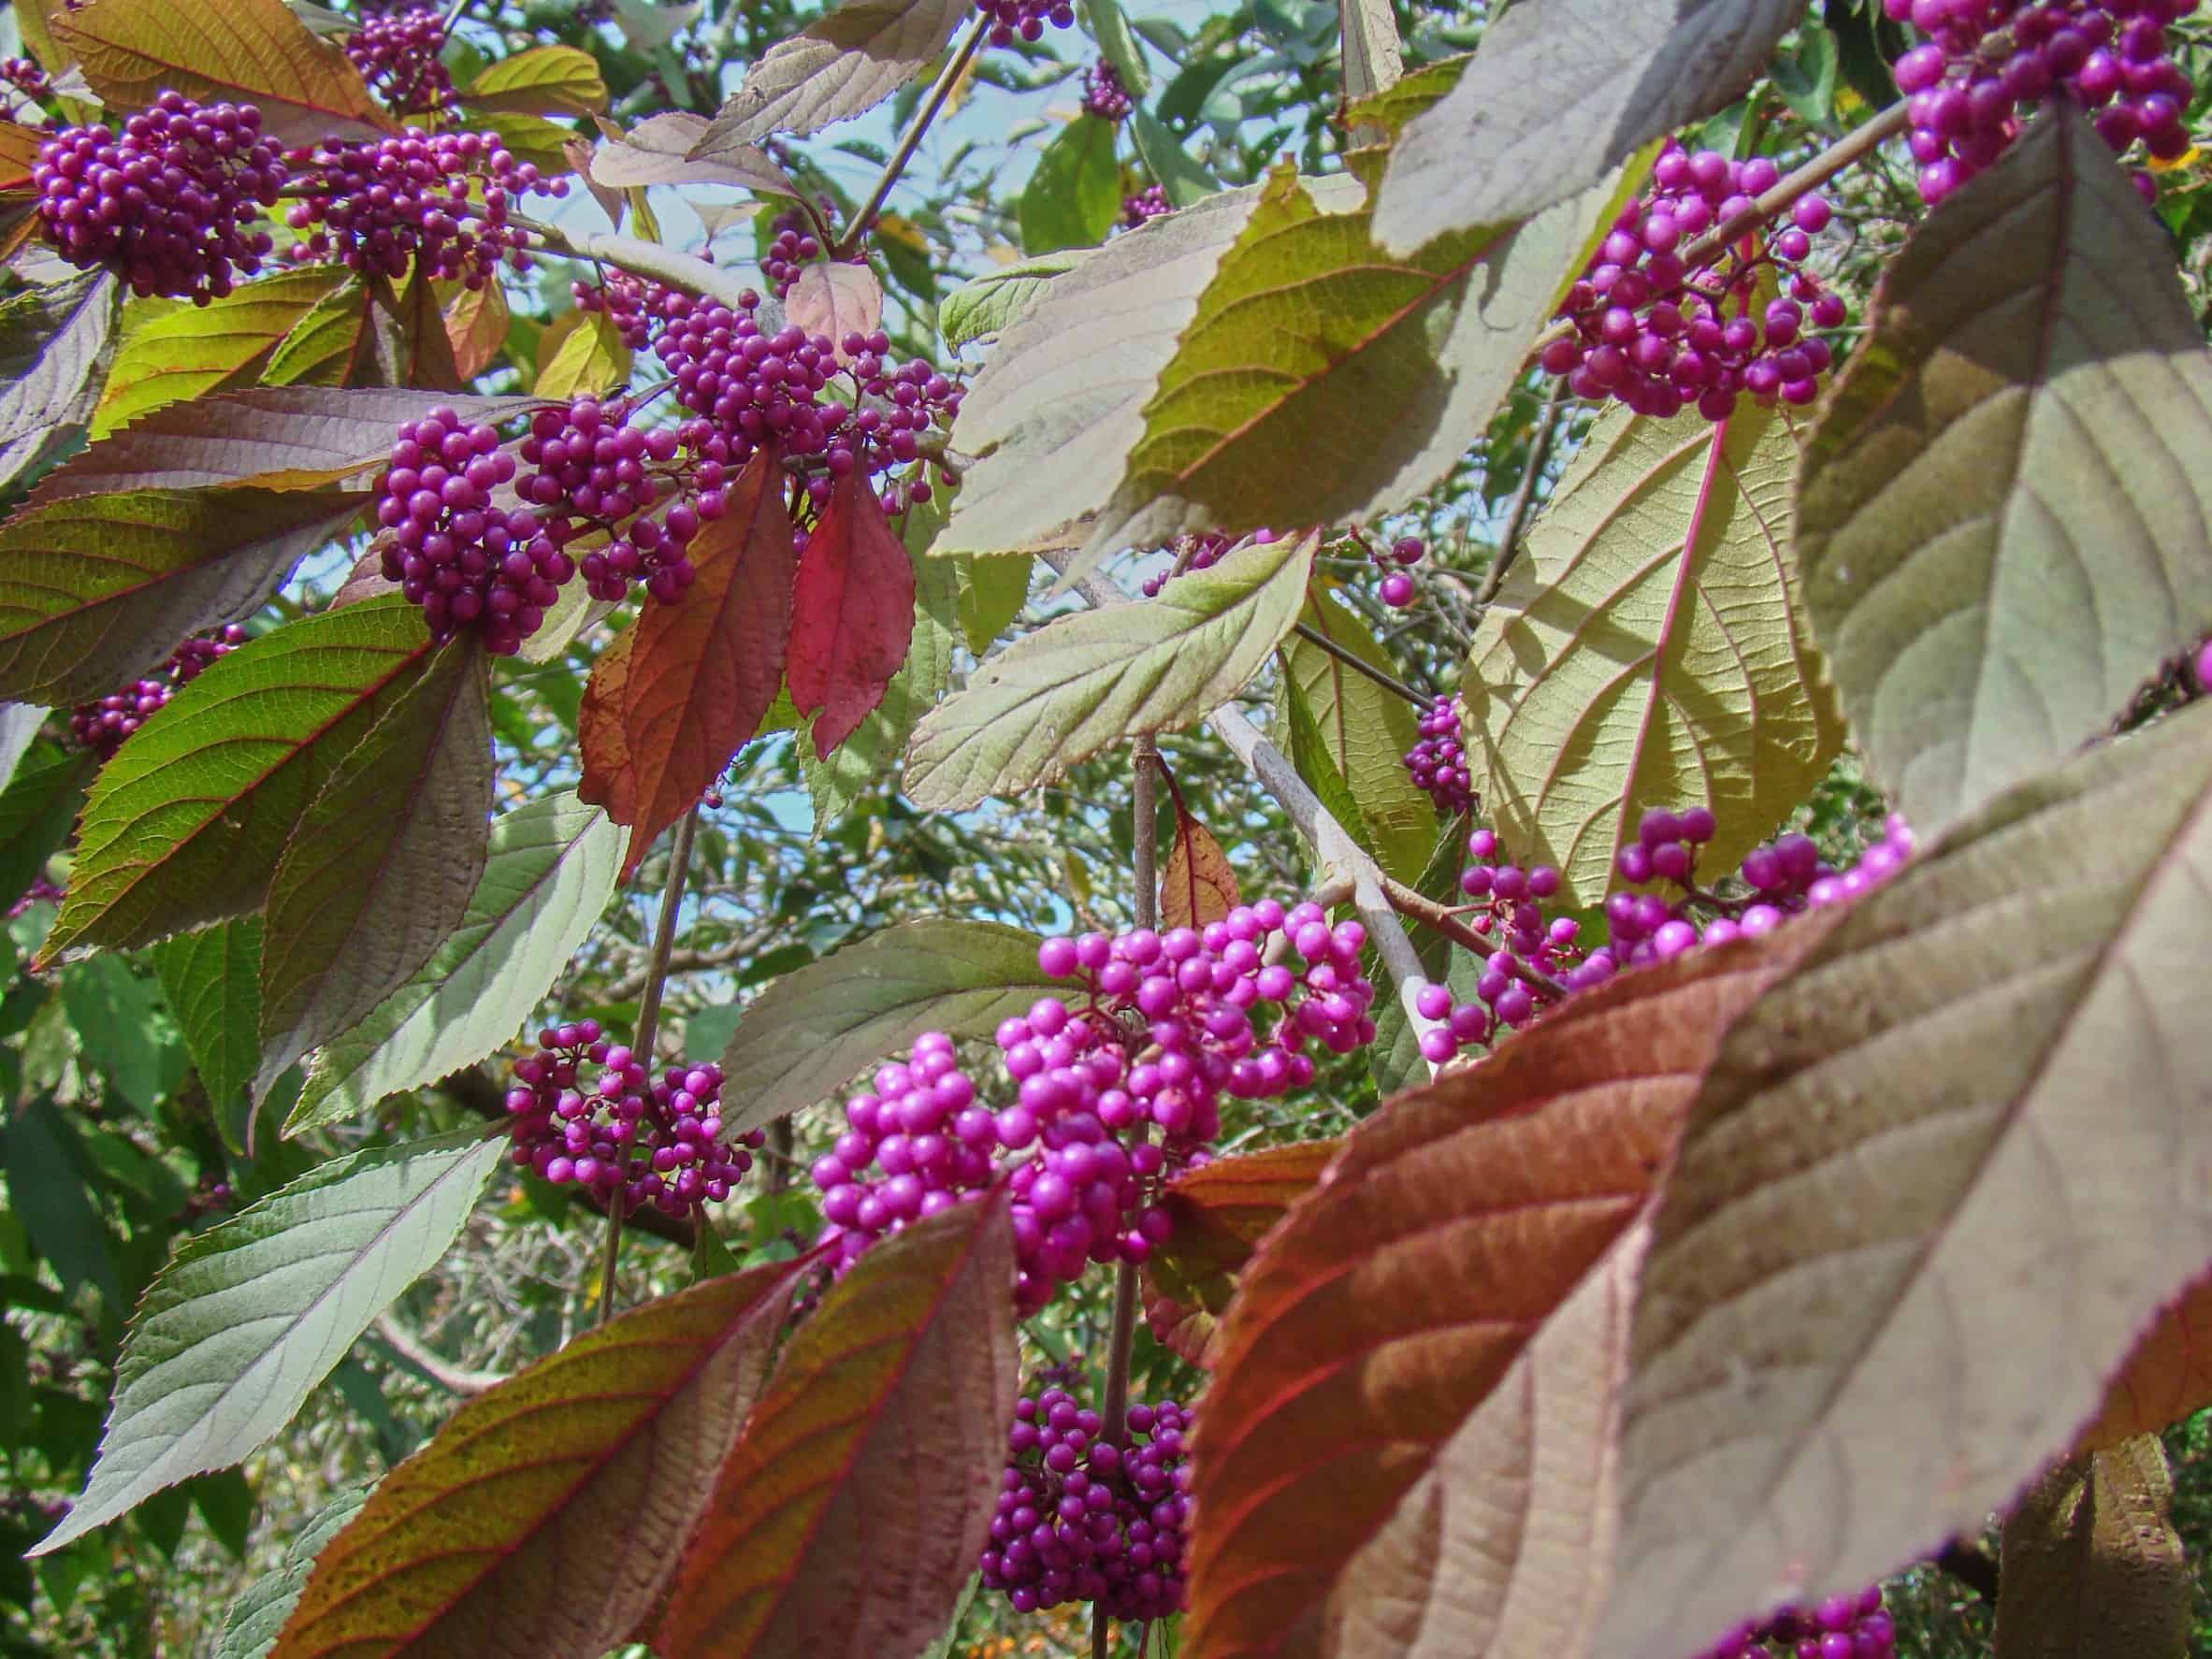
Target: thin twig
x,y
456,1380
910,139
1427,912
664,939
1508,540
1351,659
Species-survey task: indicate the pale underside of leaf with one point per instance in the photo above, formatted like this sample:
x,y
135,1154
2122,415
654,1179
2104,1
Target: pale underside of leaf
x,y
50,355
2003,524
1939,1179
842,64
658,151
1644,651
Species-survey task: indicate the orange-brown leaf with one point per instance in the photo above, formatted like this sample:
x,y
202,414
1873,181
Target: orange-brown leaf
x,y
244,52
1196,885
18,154
671,700
852,612
1392,1300
1221,1210
854,1505
476,322
2167,1378
550,1511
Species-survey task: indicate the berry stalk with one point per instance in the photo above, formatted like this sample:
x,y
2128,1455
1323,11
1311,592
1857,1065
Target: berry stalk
x,y
1360,664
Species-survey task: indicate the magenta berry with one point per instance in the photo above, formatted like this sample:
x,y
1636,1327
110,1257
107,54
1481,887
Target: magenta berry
x,y
1024,20
102,725
1438,760
1103,95
1147,204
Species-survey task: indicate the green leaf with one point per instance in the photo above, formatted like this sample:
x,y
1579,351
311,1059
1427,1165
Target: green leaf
x,y
37,810
1556,96
1106,25
1645,651
1246,425
548,877
539,80
814,1030
1988,1079
992,593
1311,758
122,1024
554,1507
344,340
96,590
709,1257
1061,693
994,302
53,343
380,869
1074,197
2001,521
1179,172
1366,732
174,349
1806,79
1389,110
249,1316
48,1195
259,1613
185,826
591,358
213,980
847,61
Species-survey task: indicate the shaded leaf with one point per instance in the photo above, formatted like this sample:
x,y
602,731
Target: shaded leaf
x,y
172,351
581,1476
992,593
422,349
1074,195
2167,1378
37,810
1196,885
1179,172
993,303
902,1381
2092,1564
658,151
1988,1080
248,52
833,300
96,590
1644,651
1221,1210
250,1630
852,612
1365,732
1554,97
213,980
185,826
539,80
847,61
591,358
379,871
48,1195
2000,526
249,1316
672,698
52,343
1066,691
548,874
812,1031
1394,1300
121,1035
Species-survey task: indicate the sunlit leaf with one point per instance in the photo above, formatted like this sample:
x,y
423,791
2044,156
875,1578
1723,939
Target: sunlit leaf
x,y
476,324
2092,1564
53,342
212,981
175,350
1196,885
1073,194
1365,732
547,876
539,80
1061,693
993,302
2001,521
833,298
1644,651
671,700
249,1316
658,151
347,339
591,358
992,593
1554,97
551,1508
847,61
812,1031
852,612
1989,1084
902,1381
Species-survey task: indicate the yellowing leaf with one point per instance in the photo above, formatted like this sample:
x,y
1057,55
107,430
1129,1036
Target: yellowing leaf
x,y
1643,651
590,358
172,351
542,80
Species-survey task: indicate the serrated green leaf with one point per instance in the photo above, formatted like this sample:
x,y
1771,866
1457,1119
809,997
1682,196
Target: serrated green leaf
x,y
548,877
212,979
1061,693
992,593
96,590
1117,45
815,1029
993,303
185,826
171,349
1390,109
539,80
1646,651
2001,521
1365,732
1074,197
346,340
1178,170
249,1316
259,1613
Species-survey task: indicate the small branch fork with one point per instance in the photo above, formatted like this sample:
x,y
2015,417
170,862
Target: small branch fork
x,y
1508,540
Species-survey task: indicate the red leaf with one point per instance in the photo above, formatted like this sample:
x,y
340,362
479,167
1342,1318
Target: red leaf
x,y
852,612
2167,1378
1196,885
1221,1210
674,697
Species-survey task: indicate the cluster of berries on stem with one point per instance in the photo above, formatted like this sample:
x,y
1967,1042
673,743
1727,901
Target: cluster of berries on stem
x,y
627,1140
1103,95
102,725
1024,20
1082,1519
1147,204
1840,1627
1660,337
397,56
1438,763
439,200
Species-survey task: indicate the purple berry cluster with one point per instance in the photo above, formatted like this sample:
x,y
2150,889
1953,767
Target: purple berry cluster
x,y
1103,95
397,56
1195,552
793,246
1439,761
1024,20
1984,61
452,548
1660,337
1081,1518
1147,204
41,891
167,202
1840,1627
620,1140
630,303
593,469
27,79
439,198
101,726
1162,1027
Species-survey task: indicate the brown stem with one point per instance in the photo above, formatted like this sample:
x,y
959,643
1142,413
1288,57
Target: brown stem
x,y
1351,659
1429,914
910,139
664,939
1508,540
